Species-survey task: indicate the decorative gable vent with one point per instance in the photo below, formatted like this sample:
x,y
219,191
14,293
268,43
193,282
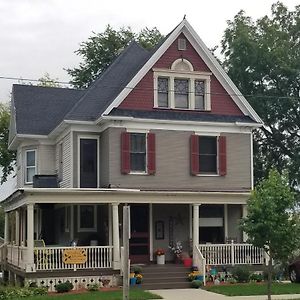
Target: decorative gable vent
x,y
181,44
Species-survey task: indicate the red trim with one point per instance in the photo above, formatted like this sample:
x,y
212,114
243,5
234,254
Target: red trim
x,y
194,154
125,153
222,156
151,153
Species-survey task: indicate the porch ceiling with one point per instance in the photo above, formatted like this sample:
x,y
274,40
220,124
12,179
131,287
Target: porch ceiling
x,y
97,196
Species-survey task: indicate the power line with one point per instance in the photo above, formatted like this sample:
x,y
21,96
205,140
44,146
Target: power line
x,y
145,89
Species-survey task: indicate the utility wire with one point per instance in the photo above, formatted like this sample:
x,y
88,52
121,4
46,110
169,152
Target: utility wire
x,y
151,89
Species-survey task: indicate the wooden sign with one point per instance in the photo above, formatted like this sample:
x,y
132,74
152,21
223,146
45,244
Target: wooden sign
x,y
74,256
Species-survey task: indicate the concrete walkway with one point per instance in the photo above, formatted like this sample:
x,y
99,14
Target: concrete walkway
x,y
197,294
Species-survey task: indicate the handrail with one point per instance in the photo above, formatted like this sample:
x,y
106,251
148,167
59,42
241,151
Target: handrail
x,y
200,263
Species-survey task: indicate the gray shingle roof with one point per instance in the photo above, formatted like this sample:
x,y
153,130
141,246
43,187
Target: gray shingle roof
x,y
179,116
40,109
112,81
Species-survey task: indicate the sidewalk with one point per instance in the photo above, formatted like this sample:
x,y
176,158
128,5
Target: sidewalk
x,y
191,294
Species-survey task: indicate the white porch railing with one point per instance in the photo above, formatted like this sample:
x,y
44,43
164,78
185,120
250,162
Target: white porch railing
x,y
17,255
51,258
200,263
232,254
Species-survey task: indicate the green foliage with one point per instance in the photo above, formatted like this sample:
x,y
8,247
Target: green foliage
x,y
7,157
102,48
137,269
241,273
64,287
262,59
17,292
47,81
256,277
93,287
2,221
196,284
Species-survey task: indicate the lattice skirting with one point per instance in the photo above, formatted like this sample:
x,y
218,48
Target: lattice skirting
x,y
78,282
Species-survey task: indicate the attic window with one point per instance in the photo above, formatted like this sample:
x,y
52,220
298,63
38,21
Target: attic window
x,y
181,44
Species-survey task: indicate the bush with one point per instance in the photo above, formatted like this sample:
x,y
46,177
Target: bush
x,y
64,287
256,277
196,284
7,293
241,274
137,269
93,287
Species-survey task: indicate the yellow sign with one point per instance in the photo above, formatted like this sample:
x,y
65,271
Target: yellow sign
x,y
74,256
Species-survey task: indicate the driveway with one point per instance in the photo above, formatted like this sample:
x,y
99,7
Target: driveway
x,y
192,294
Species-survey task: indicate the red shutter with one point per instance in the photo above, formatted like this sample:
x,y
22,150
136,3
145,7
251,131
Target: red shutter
x,y
151,153
125,152
194,154
222,156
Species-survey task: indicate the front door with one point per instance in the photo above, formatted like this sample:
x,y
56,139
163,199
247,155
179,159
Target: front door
x,y
139,242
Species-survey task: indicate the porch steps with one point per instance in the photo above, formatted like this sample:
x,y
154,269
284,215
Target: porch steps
x,y
168,276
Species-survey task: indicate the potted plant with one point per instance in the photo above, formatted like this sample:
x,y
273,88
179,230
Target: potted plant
x,y
177,250
160,256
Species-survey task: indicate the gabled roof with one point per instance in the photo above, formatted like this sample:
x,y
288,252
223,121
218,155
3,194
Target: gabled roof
x,y
40,109
108,86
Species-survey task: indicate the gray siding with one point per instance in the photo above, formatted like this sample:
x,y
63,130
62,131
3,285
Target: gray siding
x,y
46,159
104,159
67,162
234,217
20,170
173,164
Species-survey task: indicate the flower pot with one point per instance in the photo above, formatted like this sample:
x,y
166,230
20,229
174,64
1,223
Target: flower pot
x,y
160,259
187,262
132,281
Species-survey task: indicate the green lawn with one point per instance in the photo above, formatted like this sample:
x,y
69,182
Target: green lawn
x,y
252,289
135,294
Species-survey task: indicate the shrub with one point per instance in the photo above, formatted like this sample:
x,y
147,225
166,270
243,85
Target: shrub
x,y
93,287
18,292
64,287
256,277
196,284
241,274
137,269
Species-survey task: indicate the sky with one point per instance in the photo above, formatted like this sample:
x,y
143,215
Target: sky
x,y
39,36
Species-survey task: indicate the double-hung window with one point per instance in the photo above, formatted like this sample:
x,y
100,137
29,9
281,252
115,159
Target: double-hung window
x,y
181,93
30,166
208,155
138,153
87,218
163,92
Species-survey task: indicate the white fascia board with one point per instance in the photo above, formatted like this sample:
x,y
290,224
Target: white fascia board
x,y
220,74
143,71
153,124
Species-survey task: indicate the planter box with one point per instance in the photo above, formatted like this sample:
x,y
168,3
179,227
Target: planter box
x,y
160,259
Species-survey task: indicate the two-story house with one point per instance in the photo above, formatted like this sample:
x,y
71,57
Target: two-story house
x,y
165,131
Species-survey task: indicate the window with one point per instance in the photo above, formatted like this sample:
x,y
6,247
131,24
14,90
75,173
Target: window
x,y
181,90
208,155
30,167
138,153
163,92
182,87
87,218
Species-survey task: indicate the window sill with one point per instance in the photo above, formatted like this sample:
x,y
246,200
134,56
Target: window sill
x,y
208,175
181,109
138,173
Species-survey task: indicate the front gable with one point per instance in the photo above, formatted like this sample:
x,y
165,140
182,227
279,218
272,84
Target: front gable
x,y
142,96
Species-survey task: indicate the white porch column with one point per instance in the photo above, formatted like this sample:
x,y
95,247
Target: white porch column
x,y
225,222
244,214
116,238
195,228
17,228
30,239
6,229
151,230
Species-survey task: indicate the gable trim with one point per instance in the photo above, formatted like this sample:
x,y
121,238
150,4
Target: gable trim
x,y
207,57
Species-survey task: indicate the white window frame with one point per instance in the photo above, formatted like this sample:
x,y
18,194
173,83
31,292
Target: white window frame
x,y
30,167
191,76
83,229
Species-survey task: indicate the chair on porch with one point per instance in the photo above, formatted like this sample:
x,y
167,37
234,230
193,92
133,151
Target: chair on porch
x,y
41,258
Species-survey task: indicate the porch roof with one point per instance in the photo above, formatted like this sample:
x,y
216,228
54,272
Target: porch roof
x,y
109,195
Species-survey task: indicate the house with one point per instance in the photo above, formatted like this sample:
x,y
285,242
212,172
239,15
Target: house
x,y
164,131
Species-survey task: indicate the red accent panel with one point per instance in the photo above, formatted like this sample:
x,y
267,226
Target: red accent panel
x,y
194,154
125,152
151,153
142,96
222,156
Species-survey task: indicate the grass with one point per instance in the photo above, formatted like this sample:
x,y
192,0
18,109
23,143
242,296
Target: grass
x,y
253,289
135,294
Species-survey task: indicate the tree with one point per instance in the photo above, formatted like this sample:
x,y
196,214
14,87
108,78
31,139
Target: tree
x,y
272,223
102,48
7,157
47,81
263,60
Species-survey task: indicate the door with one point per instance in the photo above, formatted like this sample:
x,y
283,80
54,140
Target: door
x,y
139,242
88,163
